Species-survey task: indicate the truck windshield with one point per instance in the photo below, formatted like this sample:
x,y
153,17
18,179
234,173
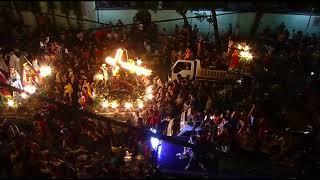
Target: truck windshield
x,y
182,66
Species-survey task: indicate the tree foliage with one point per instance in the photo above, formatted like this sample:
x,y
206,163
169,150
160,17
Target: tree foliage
x,y
144,16
182,9
203,16
212,19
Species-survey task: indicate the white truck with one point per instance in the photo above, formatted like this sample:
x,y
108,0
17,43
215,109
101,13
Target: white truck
x,y
193,69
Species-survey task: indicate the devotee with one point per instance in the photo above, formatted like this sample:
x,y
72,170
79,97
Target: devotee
x,y
14,78
195,154
76,82
14,62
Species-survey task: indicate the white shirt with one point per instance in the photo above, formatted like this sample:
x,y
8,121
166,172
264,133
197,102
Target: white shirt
x,y
183,119
17,82
148,48
169,128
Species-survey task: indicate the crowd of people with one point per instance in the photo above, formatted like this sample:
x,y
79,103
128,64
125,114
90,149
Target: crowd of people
x,y
251,113
77,56
225,127
284,117
60,143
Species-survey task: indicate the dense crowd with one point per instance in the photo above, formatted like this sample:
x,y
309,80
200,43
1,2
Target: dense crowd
x,y
222,110
284,118
229,128
61,143
76,56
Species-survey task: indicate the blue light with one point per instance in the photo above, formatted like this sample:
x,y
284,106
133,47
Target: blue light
x,y
154,142
153,130
159,151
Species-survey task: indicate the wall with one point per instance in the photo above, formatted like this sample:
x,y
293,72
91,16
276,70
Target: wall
x,y
126,17
88,13
245,20
297,22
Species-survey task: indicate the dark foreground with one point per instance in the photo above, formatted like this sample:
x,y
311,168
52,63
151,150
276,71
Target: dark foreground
x,y
234,164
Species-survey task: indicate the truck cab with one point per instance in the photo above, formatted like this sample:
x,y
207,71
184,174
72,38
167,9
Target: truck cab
x,y
183,67
193,70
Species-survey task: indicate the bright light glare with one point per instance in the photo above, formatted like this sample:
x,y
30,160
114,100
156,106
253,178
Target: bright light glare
x,y
119,55
312,73
45,71
111,61
115,70
128,105
153,130
247,55
149,89
154,142
159,151
114,104
105,104
140,105
10,103
128,65
24,95
139,62
30,89
98,77
149,96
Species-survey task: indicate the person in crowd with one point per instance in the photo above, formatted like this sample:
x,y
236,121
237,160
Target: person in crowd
x,y
75,62
15,78
195,153
137,119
